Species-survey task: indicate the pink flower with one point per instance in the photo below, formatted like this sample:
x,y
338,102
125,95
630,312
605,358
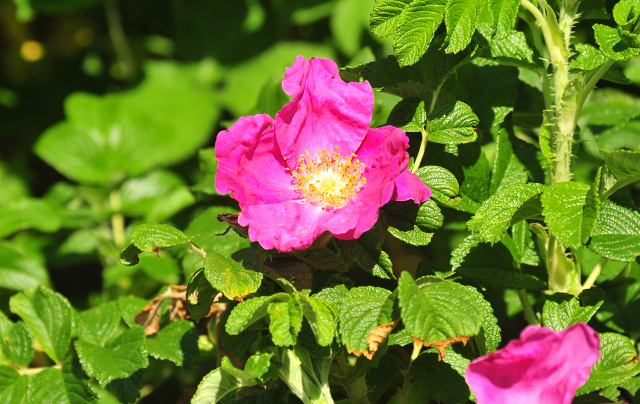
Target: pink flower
x,y
542,367
317,167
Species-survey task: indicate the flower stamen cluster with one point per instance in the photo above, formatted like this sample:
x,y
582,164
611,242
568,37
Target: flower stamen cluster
x,y
329,178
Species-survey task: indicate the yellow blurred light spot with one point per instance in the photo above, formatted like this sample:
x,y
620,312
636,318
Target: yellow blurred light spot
x,y
31,50
83,37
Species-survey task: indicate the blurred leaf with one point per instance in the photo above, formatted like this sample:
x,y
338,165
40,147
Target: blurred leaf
x,y
177,342
164,120
348,19
66,386
18,270
241,95
156,196
28,213
49,317
207,174
129,306
206,230
610,107
119,366
60,6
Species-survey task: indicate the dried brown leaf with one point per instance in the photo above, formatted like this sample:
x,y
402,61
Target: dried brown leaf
x,y
149,316
375,338
441,346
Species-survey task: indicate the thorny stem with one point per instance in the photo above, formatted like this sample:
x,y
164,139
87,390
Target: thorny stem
x,y
118,37
594,274
526,307
117,219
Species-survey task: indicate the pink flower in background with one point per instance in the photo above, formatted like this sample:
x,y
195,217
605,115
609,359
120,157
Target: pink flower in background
x,y
317,167
542,367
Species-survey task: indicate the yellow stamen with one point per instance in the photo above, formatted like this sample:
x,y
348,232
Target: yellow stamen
x,y
329,178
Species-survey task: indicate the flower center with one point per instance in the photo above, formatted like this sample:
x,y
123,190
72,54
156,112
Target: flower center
x,y
329,178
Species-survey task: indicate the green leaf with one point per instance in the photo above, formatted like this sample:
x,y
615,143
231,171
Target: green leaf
x,y
177,342
388,76
119,366
618,362
366,252
250,311
165,270
150,237
155,196
591,209
17,343
205,229
443,184
108,138
452,123
49,317
385,16
616,44
18,270
28,213
13,387
461,17
99,324
437,66
439,311
321,319
507,168
67,386
129,307
129,256
416,26
626,12
562,210
503,16
562,310
524,244
409,115
507,207
360,311
200,296
512,48
587,58
236,276
411,222
439,379
286,321
220,382
493,266
616,234
348,20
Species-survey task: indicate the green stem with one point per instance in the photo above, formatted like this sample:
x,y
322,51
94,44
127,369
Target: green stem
x,y
195,249
33,371
591,280
554,52
423,147
118,37
526,307
117,219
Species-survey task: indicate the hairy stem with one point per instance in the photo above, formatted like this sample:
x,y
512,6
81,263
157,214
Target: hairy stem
x,y
526,307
